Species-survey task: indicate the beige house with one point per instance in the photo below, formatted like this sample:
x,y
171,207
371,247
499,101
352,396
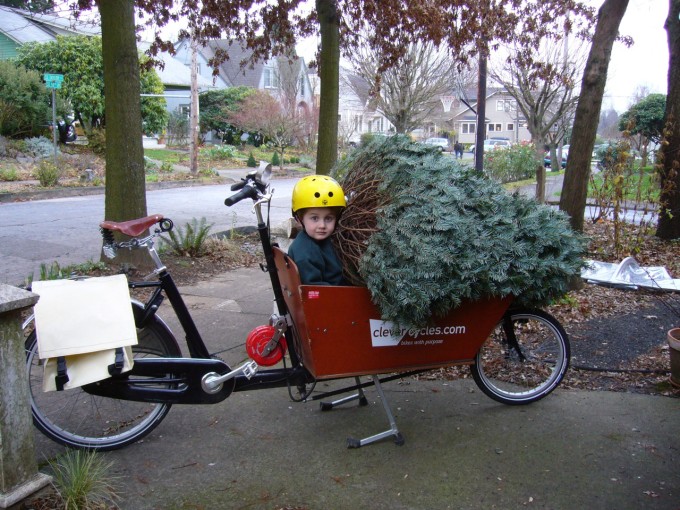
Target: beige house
x,y
458,115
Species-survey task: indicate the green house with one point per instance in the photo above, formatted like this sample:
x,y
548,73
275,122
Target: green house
x,y
18,27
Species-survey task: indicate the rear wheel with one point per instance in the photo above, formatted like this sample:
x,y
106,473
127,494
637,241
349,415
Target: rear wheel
x,y
524,358
78,419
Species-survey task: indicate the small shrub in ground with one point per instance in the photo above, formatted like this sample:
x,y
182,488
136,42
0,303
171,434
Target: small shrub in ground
x,y
208,172
307,162
9,174
83,480
96,140
23,100
178,129
166,168
48,173
38,147
152,177
150,166
221,152
510,164
275,159
190,240
626,194
251,161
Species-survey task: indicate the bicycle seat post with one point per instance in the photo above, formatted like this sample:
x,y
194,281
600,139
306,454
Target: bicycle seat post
x,y
151,248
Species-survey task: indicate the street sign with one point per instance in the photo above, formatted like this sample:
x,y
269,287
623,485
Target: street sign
x,y
53,77
53,81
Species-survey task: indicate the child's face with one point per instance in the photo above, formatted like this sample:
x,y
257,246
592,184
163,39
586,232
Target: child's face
x,y
319,222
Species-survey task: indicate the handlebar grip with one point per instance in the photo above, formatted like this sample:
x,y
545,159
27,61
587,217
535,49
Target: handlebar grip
x,y
246,192
238,185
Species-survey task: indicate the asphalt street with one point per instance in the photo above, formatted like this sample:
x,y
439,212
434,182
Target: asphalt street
x,y
66,230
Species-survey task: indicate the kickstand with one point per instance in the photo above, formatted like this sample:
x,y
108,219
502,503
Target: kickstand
x,y
392,431
327,406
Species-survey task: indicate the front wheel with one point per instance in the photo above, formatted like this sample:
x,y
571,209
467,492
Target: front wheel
x,y
77,419
524,358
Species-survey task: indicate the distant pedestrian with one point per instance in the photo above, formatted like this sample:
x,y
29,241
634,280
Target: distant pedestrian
x,y
458,149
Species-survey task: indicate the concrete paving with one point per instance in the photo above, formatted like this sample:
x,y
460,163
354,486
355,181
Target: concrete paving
x,y
260,450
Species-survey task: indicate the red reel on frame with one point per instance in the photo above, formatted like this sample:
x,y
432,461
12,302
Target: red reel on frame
x,y
256,342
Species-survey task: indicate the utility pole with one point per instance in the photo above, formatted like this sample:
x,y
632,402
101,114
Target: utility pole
x,y
193,119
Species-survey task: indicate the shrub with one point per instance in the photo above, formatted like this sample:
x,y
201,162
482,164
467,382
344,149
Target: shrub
x,y
178,128
9,174
38,147
48,173
275,159
510,164
96,140
627,195
221,152
83,481
166,167
24,101
251,161
307,162
190,240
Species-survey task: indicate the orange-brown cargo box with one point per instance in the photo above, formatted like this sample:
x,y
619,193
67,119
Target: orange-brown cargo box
x,y
341,333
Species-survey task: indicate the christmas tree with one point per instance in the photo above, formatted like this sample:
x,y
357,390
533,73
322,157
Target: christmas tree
x,y
423,233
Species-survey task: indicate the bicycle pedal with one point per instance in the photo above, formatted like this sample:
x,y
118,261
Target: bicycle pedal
x,y
250,369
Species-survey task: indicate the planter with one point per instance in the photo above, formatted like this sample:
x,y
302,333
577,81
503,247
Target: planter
x,y
674,350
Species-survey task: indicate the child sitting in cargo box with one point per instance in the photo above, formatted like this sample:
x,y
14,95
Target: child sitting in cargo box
x,y
318,201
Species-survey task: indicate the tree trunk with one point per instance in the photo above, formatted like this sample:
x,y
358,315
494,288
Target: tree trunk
x,y
329,73
125,194
481,113
193,121
669,219
575,187
540,171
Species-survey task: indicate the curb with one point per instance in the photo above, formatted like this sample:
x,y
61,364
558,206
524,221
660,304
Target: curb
x,y
25,196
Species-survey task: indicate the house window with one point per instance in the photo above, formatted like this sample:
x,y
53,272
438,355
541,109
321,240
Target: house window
x,y
468,127
302,86
270,78
185,109
495,127
506,105
510,126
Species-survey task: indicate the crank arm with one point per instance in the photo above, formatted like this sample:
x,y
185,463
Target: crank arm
x,y
212,381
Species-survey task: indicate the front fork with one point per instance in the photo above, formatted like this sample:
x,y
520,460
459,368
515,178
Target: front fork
x,y
511,338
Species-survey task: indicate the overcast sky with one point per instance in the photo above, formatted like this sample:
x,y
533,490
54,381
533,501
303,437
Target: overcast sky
x,y
643,64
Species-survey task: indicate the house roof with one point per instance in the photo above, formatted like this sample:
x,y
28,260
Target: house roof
x,y
24,26
174,72
239,69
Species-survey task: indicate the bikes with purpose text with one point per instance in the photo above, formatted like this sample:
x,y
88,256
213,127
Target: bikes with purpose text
x,y
516,355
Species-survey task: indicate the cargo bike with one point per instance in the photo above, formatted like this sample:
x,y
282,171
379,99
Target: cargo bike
x,y
515,355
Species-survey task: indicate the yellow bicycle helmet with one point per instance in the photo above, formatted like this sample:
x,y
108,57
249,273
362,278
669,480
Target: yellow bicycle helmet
x,y
317,191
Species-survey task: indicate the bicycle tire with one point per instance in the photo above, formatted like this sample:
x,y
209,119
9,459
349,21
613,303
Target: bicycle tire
x,y
78,419
507,376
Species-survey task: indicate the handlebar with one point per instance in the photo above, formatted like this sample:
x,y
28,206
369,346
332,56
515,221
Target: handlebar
x,y
253,186
247,191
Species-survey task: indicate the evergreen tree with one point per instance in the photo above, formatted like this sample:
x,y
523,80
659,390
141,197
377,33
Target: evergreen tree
x,y
441,234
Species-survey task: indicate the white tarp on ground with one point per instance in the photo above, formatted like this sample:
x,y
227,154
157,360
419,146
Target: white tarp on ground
x,y
628,274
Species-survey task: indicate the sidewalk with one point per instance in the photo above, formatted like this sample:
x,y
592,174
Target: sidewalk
x,y
260,450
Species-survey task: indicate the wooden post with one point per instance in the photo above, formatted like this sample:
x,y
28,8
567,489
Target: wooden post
x,y
19,476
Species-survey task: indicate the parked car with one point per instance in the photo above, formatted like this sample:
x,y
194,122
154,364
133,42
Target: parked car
x,y
442,143
547,162
493,143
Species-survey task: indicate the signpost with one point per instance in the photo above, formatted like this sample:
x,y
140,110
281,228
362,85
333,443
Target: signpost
x,y
53,81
